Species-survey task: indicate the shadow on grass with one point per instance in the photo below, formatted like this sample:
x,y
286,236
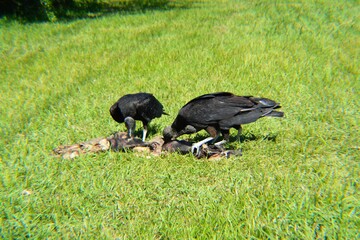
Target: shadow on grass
x,y
68,10
95,10
153,130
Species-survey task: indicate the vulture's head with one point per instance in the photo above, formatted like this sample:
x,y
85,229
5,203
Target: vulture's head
x,y
171,133
130,125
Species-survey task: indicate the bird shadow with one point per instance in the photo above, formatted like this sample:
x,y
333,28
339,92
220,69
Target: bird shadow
x,y
153,129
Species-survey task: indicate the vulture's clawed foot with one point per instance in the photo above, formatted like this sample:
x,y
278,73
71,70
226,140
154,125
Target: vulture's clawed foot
x,y
196,149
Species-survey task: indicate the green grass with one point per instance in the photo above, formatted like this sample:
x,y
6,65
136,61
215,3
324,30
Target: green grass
x,y
298,177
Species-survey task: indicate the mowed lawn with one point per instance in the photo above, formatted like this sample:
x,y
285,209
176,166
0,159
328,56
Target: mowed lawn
x,y
298,177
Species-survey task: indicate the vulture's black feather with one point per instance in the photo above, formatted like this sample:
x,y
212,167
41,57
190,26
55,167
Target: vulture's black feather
x,y
217,113
139,106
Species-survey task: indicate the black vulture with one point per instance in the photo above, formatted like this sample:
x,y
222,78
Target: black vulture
x,y
217,113
139,106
